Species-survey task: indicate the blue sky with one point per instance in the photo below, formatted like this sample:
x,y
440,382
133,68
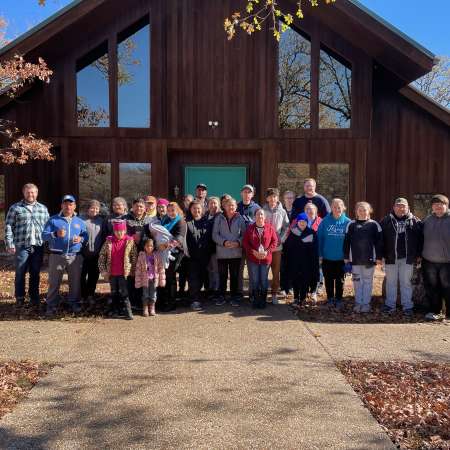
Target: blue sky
x,y
424,21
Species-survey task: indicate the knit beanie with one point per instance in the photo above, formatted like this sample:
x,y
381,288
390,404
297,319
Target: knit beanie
x,y
119,225
303,217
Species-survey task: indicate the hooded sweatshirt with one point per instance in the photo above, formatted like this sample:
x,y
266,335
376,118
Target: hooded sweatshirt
x,y
280,221
248,211
331,236
436,235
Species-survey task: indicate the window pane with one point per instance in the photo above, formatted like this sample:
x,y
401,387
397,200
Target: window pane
x,y
333,180
134,180
2,207
133,55
291,177
94,183
335,109
294,81
93,89
422,205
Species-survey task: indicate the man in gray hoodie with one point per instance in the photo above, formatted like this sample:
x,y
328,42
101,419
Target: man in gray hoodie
x,y
277,216
436,257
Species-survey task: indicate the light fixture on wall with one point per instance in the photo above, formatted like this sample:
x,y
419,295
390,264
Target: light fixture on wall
x,y
176,191
213,124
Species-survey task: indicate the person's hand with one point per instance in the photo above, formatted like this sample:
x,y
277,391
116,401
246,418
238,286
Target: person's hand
x,y
76,239
228,244
255,253
346,261
61,232
163,247
235,244
11,250
262,255
137,237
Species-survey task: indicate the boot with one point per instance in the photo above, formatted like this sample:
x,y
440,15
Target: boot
x,y
128,312
152,309
145,308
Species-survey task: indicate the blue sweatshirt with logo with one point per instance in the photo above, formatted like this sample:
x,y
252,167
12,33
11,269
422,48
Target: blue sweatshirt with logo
x,y
331,234
74,226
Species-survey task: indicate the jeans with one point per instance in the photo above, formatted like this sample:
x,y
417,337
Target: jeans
x,y
89,276
436,279
232,265
57,265
149,293
28,259
276,267
259,276
362,277
333,273
395,273
213,273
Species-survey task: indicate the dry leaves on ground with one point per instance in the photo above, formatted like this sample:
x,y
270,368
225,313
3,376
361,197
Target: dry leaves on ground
x,y
16,380
410,400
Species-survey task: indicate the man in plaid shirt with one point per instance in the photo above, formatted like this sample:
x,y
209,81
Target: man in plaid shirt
x,y
23,236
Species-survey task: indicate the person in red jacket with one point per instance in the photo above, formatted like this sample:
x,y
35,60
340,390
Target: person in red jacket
x,y
260,240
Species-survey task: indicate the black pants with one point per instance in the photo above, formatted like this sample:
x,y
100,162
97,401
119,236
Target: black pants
x,y
198,277
301,288
183,275
232,266
436,279
167,295
135,294
333,272
89,276
119,292
285,283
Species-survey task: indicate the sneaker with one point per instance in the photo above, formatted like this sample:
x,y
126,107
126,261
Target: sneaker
x,y
196,306
432,316
220,301
357,309
314,297
235,302
387,309
274,299
408,312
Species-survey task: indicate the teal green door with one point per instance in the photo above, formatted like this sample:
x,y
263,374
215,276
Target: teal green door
x,y
219,179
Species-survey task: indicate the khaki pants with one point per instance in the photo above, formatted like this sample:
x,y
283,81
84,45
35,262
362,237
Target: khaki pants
x,y
275,267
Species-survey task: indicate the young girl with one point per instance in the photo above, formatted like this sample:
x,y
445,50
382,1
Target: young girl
x,y
116,262
260,241
150,274
302,258
363,248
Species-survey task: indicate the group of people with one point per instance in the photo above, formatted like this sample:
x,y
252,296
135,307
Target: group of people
x,y
207,242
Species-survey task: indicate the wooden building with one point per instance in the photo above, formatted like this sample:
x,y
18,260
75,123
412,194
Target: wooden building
x,y
149,96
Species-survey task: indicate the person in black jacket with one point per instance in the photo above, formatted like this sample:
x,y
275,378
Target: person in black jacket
x,y
200,247
301,252
363,247
402,243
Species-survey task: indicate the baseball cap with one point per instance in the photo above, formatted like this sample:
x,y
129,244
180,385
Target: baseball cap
x,y
68,198
401,201
249,187
201,186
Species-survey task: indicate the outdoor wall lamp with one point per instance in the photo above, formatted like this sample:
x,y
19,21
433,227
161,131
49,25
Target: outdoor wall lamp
x,y
213,124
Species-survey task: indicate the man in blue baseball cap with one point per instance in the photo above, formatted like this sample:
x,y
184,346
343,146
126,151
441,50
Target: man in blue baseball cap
x,y
65,233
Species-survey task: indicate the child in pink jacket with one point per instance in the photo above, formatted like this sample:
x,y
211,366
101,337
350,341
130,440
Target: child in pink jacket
x,y
150,274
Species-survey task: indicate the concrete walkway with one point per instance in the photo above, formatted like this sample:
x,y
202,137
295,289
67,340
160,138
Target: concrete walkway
x,y
219,379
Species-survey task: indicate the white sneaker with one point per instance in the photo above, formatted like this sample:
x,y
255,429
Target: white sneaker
x,y
196,306
274,299
314,297
432,316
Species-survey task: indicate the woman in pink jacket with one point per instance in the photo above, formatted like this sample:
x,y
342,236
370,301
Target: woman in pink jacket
x,y
150,274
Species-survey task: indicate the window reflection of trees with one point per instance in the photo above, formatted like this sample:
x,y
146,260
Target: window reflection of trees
x,y
333,181
291,177
93,89
335,102
94,182
294,81
134,180
422,205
